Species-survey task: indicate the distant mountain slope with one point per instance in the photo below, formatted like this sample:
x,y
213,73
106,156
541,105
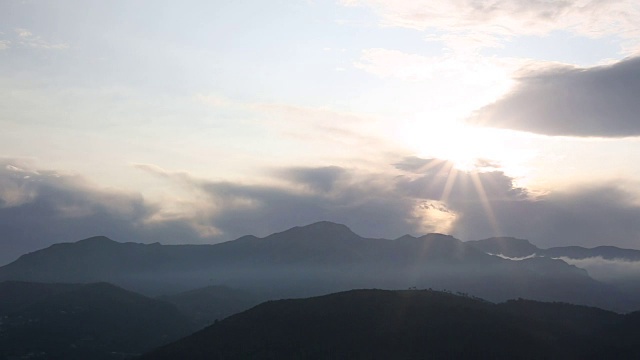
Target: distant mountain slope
x,y
605,252
92,321
377,324
310,260
211,303
520,248
506,246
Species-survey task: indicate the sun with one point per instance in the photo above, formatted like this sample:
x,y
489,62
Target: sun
x,y
465,154
467,147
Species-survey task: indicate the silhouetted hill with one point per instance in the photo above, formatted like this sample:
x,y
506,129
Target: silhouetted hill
x,y
16,295
378,324
92,321
620,339
561,319
311,260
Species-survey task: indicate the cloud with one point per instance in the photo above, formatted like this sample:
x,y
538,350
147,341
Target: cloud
x,y
419,196
417,165
4,44
514,258
367,203
489,203
318,129
27,38
588,215
607,269
599,101
414,195
440,180
42,207
388,63
313,124
316,179
454,83
499,19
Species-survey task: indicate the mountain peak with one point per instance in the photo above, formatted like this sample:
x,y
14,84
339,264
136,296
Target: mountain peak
x,y
321,228
96,240
438,236
431,238
326,226
406,237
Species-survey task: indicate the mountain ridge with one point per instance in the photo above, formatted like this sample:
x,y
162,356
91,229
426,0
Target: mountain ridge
x,y
311,260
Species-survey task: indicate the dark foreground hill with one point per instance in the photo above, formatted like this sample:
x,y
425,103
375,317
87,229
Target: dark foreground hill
x,y
92,321
312,260
377,324
17,295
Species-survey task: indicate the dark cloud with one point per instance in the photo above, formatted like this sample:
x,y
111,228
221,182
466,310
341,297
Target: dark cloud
x,y
383,205
418,165
321,178
445,182
366,204
587,216
41,208
600,101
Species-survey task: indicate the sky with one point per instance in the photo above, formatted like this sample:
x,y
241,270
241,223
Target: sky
x,y
202,121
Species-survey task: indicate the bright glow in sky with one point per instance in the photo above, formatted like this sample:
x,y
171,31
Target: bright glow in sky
x,y
209,112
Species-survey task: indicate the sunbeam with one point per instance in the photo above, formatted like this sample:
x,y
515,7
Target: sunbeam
x,y
484,200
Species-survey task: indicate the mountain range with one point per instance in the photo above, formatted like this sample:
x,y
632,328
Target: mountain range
x,y
267,298
326,257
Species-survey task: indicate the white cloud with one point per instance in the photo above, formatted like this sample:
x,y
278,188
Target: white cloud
x,y
445,87
510,17
27,38
501,19
606,269
334,132
14,191
514,258
332,136
24,33
413,67
4,44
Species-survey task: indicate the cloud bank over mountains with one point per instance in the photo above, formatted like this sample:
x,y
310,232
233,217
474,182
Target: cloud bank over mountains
x,y
39,207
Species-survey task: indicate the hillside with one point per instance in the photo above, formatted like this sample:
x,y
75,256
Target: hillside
x,y
378,324
92,321
206,305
